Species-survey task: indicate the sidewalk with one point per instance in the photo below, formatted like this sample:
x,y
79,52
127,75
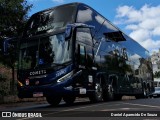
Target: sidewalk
x,y
20,104
14,101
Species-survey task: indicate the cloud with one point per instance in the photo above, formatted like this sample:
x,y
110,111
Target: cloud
x,y
58,1
143,24
151,44
140,34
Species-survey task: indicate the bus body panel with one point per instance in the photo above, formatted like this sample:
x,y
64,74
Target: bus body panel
x,y
101,59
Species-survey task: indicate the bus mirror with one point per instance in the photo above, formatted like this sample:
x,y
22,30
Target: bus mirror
x,y
68,31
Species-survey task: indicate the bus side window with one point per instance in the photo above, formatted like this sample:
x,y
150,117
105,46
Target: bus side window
x,y
82,55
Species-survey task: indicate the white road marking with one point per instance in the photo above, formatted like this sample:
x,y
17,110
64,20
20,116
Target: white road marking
x,y
143,105
52,113
120,109
108,104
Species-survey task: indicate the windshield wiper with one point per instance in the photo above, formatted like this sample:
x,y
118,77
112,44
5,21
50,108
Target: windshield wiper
x,y
52,65
61,64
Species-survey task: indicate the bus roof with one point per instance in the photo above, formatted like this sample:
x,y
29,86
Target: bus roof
x,y
78,3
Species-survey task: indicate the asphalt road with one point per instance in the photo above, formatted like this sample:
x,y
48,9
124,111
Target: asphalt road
x,y
133,109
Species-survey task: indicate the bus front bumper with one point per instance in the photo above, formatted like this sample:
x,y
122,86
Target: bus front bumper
x,y
51,90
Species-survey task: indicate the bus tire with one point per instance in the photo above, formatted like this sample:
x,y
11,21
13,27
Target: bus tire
x,y
97,96
69,99
139,96
143,95
54,101
117,97
105,90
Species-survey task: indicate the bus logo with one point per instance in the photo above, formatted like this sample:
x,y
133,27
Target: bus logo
x,y
61,72
39,72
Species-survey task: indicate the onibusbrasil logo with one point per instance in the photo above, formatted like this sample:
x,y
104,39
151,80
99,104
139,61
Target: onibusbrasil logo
x,y
21,114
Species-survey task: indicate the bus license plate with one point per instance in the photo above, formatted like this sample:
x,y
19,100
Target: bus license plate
x,y
39,94
82,91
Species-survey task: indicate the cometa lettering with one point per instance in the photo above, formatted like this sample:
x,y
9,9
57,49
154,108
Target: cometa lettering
x,y
40,72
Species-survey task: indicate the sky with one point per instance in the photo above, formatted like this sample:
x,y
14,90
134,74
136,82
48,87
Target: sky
x,y
140,19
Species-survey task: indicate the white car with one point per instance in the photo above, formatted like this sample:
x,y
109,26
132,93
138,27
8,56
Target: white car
x,y
156,93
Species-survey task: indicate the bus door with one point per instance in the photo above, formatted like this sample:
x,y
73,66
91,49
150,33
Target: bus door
x,y
85,54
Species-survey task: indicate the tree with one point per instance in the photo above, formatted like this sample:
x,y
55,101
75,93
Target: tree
x,y
13,16
157,74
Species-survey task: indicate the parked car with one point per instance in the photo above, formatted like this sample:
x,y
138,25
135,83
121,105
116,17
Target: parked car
x,y
156,93
156,82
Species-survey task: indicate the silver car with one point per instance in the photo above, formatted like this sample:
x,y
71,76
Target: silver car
x,y
156,93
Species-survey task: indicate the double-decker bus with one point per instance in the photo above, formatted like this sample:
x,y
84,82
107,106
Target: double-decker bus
x,y
72,51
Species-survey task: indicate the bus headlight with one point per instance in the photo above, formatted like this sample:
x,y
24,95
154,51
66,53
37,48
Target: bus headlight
x,y
65,77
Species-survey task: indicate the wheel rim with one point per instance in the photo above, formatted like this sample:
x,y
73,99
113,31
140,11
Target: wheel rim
x,y
144,92
98,90
110,92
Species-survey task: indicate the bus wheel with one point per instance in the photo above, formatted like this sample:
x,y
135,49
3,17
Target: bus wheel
x,y
143,95
110,94
98,93
139,96
54,101
69,99
118,97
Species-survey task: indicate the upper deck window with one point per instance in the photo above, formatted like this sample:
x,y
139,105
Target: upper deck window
x,y
88,16
50,20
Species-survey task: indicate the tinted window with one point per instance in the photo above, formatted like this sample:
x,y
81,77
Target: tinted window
x,y
83,35
50,20
135,47
44,52
88,16
82,56
108,27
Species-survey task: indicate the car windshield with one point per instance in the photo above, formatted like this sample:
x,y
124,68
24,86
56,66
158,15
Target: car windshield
x,y
44,52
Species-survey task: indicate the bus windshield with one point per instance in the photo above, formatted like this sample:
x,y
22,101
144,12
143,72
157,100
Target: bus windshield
x,y
44,52
50,20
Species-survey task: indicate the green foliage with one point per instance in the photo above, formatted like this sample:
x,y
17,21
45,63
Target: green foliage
x,y
13,16
157,74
